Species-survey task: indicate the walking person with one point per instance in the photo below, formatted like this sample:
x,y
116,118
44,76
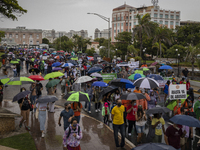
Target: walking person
x,y
39,88
166,90
67,115
117,115
63,85
42,107
131,111
33,94
18,70
15,72
105,112
88,90
77,107
72,136
1,93
96,99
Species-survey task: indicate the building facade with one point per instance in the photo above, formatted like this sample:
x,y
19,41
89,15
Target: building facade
x,y
20,36
49,34
124,18
102,34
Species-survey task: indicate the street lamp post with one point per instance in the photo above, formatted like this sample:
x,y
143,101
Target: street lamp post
x,y
176,55
178,64
144,55
108,20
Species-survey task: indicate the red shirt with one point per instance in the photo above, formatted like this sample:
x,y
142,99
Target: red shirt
x,y
187,85
131,115
35,66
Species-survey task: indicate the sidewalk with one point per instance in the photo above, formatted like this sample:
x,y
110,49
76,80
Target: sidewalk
x,y
96,135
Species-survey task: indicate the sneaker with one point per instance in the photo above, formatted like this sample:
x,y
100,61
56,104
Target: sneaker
x,y
85,109
99,110
96,110
43,134
89,112
129,134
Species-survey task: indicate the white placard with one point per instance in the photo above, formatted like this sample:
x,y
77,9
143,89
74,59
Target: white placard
x,y
177,91
132,64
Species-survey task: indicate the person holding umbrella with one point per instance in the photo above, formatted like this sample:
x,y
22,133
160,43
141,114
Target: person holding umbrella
x,y
88,90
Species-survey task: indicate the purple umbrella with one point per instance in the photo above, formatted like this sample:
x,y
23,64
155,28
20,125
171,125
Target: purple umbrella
x,y
20,53
153,64
56,69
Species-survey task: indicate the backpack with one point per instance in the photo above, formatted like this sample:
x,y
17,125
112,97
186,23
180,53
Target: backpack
x,y
70,131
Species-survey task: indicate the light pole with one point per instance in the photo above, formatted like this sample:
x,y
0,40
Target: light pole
x,y
178,64
176,55
108,20
144,55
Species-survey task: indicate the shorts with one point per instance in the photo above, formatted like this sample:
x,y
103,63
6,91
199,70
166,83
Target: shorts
x,y
140,129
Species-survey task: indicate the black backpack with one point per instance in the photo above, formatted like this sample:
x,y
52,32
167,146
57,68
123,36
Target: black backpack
x,y
74,132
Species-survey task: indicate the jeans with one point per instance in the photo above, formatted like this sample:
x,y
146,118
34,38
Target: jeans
x,y
97,105
42,119
78,118
45,71
15,73
33,99
140,129
122,132
89,104
105,119
130,126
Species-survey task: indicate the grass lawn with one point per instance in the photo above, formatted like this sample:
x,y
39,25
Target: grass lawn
x,y
21,142
150,61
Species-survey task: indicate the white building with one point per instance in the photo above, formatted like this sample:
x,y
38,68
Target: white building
x,y
102,34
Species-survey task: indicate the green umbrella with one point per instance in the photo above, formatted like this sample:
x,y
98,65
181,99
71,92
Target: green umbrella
x,y
14,62
53,75
74,96
4,80
32,59
20,81
173,103
18,59
135,76
142,71
79,52
75,58
52,83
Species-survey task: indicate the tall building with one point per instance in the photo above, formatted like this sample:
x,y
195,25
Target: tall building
x,y
82,33
20,36
102,34
124,18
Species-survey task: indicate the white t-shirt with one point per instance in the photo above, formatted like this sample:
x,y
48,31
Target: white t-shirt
x,y
117,96
42,106
45,65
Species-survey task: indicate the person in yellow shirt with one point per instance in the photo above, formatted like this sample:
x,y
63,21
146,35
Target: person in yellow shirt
x,y
117,115
158,124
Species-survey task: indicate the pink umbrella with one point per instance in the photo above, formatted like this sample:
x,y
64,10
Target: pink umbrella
x,y
153,64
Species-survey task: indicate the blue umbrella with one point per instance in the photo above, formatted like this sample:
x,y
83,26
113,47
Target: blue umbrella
x,y
100,83
53,53
67,65
165,67
185,120
154,146
120,82
56,64
155,77
94,69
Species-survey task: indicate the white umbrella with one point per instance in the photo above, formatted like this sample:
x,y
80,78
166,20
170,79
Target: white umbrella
x,y
83,79
96,75
147,83
67,65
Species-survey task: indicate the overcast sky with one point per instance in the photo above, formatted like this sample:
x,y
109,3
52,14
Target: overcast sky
x,y
65,15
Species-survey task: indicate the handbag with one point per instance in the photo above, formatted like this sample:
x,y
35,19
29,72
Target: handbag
x,y
31,106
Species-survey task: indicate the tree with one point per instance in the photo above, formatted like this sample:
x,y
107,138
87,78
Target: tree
x,y
171,53
90,52
11,9
100,40
145,26
156,46
132,50
162,34
2,34
192,56
45,41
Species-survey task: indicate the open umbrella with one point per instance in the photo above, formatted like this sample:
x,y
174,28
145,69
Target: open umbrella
x,y
36,77
165,67
122,64
154,63
96,75
14,62
74,58
52,83
147,83
4,80
57,69
158,110
154,146
98,65
56,64
20,81
109,89
73,62
120,82
185,120
94,69
21,95
36,70
144,71
83,79
53,75
100,83
74,96
173,103
47,98
155,77
67,65
136,76
133,96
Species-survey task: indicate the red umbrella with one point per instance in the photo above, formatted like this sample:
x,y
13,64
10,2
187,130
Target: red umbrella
x,y
36,77
60,51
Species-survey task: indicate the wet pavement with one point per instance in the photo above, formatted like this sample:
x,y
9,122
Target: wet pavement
x,y
96,135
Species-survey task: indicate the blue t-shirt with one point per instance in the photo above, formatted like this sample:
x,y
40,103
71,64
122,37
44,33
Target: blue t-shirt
x,y
66,115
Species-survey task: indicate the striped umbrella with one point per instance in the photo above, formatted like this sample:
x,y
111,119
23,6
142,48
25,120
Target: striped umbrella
x,y
20,81
74,96
147,83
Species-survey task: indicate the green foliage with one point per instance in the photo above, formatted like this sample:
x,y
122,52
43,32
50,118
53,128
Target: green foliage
x,y
171,53
198,63
90,52
132,51
100,40
11,9
138,58
45,41
2,34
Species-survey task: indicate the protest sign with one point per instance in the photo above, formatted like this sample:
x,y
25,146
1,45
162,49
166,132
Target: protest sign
x,y
177,91
132,64
107,77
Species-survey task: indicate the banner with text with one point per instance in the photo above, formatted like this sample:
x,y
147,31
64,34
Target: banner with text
x,y
177,91
132,64
107,77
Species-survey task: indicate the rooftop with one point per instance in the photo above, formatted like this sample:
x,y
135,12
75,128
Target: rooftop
x,y
123,7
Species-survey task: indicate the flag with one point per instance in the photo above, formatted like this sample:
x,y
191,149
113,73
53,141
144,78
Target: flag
x,y
72,53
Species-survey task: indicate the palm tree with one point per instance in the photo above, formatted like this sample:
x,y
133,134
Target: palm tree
x,y
192,56
162,34
157,46
132,50
145,26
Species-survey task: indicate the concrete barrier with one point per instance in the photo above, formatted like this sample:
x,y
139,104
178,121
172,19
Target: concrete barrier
x,y
195,83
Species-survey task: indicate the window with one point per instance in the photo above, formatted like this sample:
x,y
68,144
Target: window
x,y
114,19
118,18
37,42
117,31
126,17
10,35
129,30
134,17
31,42
16,35
166,22
126,24
155,15
166,16
121,30
130,17
171,22
114,31
114,25
122,18
161,22
172,16
161,15
129,24
23,42
177,17
177,23
118,24
126,30
37,36
134,23
23,36
30,35
122,24
155,21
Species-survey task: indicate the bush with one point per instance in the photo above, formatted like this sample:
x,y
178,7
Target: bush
x,y
138,58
